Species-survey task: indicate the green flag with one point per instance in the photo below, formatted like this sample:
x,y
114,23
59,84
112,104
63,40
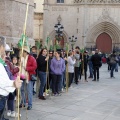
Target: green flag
x,y
82,50
38,44
47,40
51,47
67,46
20,43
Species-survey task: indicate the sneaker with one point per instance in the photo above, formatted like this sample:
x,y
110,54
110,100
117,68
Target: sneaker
x,y
9,113
42,98
29,107
59,94
45,94
14,114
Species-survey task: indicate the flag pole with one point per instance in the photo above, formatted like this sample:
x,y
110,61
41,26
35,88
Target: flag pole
x,y
67,77
24,32
47,71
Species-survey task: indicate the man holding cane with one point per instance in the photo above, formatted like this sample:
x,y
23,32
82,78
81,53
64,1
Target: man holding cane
x,y
6,85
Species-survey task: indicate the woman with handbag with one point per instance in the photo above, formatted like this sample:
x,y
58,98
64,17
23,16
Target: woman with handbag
x,y
29,66
42,67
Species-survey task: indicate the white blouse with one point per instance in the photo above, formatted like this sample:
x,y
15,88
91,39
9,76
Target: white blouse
x,y
6,85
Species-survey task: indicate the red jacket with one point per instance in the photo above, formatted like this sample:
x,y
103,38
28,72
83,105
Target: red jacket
x,y
31,66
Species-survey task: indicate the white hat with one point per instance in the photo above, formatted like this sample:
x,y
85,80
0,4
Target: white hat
x,y
26,48
7,48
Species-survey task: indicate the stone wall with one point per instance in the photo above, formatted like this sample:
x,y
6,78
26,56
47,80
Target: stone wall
x,y
12,17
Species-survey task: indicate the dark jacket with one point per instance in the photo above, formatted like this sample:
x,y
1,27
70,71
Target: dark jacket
x,y
42,64
96,60
85,61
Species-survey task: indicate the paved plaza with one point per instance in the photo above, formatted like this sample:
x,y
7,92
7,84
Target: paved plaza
x,y
86,101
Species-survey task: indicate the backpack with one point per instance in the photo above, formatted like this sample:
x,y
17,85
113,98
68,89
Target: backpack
x,y
112,60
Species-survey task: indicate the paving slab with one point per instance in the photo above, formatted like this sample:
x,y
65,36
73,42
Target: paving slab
x,y
85,101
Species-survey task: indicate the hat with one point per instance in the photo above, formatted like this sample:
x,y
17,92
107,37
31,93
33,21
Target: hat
x,y
27,49
85,51
7,48
50,52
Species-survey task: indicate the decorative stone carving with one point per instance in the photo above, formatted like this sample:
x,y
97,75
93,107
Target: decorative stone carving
x,y
59,19
105,15
97,1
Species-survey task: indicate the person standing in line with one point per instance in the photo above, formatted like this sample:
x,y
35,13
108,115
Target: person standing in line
x,y
85,64
29,66
6,85
42,67
14,73
90,65
57,67
34,54
50,72
113,62
77,65
96,61
108,62
71,63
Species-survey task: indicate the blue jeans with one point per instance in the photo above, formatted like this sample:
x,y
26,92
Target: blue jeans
x,y
62,81
112,69
42,76
27,89
90,68
2,106
10,101
116,68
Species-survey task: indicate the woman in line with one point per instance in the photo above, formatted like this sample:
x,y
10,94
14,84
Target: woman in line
x,y
42,66
71,63
29,66
10,103
57,67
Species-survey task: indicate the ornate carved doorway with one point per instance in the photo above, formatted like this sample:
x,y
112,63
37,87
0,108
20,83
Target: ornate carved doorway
x,y
104,43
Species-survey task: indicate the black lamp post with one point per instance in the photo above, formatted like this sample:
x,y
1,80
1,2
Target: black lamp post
x,y
72,39
59,31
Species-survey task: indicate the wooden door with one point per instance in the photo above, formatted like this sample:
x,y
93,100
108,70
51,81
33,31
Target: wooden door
x,y
104,43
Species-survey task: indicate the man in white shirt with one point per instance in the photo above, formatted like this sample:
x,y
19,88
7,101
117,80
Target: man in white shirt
x,y
6,85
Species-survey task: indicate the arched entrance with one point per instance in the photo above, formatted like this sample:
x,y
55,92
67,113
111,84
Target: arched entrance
x,y
104,43
60,43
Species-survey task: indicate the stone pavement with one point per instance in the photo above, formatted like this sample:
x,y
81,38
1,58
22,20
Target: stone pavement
x,y
86,101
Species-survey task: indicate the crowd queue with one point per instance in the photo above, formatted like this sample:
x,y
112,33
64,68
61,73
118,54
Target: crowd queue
x,y
50,67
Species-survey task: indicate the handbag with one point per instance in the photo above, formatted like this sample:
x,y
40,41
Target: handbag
x,y
33,78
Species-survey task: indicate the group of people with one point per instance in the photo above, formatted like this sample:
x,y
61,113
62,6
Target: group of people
x,y
51,68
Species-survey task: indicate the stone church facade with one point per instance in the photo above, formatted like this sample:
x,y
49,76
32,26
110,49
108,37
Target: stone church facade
x,y
96,23
12,18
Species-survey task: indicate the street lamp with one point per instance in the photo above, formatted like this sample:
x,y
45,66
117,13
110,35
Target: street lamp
x,y
72,39
59,31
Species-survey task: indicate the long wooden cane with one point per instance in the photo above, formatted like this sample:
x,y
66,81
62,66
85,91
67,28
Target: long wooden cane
x,y
24,32
67,77
47,70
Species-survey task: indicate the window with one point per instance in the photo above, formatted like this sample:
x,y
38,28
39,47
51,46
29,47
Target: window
x,y
60,1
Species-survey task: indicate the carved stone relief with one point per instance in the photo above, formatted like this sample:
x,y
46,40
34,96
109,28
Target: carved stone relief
x,y
98,1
